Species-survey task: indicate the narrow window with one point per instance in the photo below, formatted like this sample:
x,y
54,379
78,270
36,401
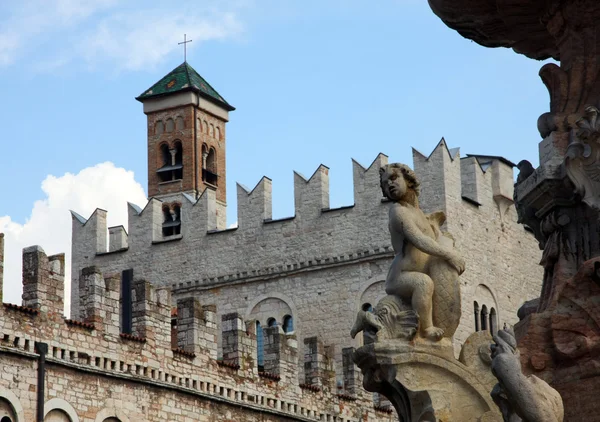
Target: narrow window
x,y
493,321
165,161
484,317
178,161
209,171
476,313
205,126
260,345
198,125
272,322
174,343
171,220
212,130
288,324
126,301
218,133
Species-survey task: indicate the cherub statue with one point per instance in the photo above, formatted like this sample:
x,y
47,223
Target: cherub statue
x,y
521,398
423,277
425,261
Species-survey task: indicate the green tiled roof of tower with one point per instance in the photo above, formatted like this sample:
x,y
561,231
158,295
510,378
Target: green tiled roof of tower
x,y
185,78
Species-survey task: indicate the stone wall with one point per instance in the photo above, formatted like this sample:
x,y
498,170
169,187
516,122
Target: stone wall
x,y
323,264
95,372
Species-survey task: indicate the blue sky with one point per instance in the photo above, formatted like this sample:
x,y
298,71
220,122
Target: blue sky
x,y
313,82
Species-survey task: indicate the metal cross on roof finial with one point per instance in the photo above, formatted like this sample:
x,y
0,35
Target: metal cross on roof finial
x,y
184,47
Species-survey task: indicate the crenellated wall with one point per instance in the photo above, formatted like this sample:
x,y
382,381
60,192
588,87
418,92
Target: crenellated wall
x,y
95,369
322,264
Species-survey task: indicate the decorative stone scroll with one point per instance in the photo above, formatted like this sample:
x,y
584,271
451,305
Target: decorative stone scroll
x,y
583,156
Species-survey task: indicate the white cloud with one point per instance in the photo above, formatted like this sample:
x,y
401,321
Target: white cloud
x,y
136,40
23,23
127,35
49,226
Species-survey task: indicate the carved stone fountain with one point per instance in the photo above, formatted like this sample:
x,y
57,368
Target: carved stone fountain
x,y
559,333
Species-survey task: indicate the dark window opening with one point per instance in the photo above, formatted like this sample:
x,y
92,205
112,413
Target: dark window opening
x,y
367,307
272,322
209,166
126,301
172,163
288,324
476,313
484,318
493,321
6,419
260,345
171,220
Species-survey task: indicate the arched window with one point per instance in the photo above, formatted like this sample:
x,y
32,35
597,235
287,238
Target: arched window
x,y
218,133
484,318
179,124
159,128
212,130
288,324
57,415
112,420
170,125
6,411
171,219
198,125
172,162
205,126
209,172
164,174
476,313
493,321
178,161
260,346
272,322
165,155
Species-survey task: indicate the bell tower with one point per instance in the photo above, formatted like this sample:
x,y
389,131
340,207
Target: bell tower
x,y
186,137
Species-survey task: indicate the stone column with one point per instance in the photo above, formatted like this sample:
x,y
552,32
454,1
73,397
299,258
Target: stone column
x,y
189,321
318,368
91,297
280,354
352,382
239,343
43,280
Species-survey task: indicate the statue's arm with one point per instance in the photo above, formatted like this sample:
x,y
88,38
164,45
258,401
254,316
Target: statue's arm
x,y
404,223
526,395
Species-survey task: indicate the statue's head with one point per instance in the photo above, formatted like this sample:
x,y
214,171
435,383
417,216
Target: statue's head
x,y
398,183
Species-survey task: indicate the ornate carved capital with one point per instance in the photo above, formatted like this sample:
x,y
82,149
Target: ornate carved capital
x,y
583,157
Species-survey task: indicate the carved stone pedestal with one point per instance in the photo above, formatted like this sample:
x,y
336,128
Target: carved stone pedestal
x,y
426,383
561,344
